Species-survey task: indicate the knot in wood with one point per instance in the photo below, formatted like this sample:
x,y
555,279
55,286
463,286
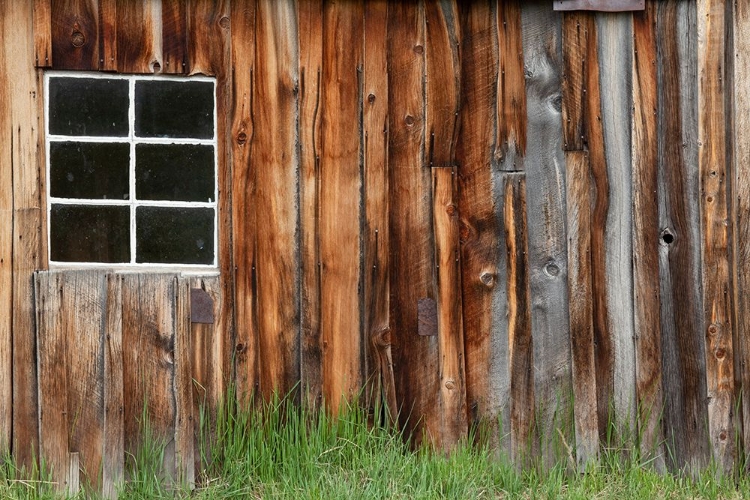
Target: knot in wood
x,y
224,22
241,138
450,384
409,120
240,347
371,98
723,435
156,67
487,278
551,270
720,353
77,38
450,209
418,49
713,330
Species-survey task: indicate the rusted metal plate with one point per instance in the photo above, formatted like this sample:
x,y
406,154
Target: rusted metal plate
x,y
201,306
600,5
427,317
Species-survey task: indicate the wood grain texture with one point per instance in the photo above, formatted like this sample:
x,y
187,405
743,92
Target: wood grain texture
x,y
42,33
139,36
208,38
6,249
108,59
522,411
113,457
23,91
511,87
581,306
545,199
174,36
376,233
483,271
273,156
310,29
340,200
148,343
683,344
714,181
75,34
244,251
741,180
452,371
575,35
411,246
612,236
646,297
184,429
53,371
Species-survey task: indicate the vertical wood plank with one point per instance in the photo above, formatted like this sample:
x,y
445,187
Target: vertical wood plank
x,y
442,95
646,297
148,341
246,361
380,377
23,141
6,247
576,26
75,34
741,180
452,379
310,28
139,36
274,157
683,341
483,266
108,59
174,36
511,88
613,213
545,198
411,247
113,457
712,162
578,197
53,376
208,37
341,200
183,386
519,319
43,33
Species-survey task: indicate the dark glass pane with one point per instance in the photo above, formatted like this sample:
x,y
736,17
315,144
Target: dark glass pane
x,y
181,172
175,235
174,109
84,233
88,106
89,170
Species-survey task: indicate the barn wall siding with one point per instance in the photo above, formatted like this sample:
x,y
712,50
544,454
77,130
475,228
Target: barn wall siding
x,y
477,213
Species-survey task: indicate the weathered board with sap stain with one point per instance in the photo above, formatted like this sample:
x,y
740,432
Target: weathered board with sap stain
x,y
483,215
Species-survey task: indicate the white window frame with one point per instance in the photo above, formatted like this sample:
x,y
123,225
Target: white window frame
x,y
132,202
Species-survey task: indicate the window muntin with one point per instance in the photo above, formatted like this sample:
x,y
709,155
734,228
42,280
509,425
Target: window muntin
x,y
131,169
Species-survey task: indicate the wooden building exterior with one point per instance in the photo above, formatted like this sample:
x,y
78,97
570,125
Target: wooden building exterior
x,y
476,213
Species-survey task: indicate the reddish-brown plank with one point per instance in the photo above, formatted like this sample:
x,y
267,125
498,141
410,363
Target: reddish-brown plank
x,y
712,163
174,36
148,341
310,26
42,33
340,200
452,372
578,195
520,343
108,35
741,180
510,145
139,36
75,34
273,156
576,26
682,318
645,238
243,207
113,457
208,27
22,142
411,247
481,230
380,381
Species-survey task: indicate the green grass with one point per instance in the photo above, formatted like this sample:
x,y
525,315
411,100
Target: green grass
x,y
282,451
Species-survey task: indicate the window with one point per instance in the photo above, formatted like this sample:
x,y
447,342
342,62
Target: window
x,y
131,170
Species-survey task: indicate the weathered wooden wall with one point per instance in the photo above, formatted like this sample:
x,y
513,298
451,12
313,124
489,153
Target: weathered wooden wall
x,y
478,213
